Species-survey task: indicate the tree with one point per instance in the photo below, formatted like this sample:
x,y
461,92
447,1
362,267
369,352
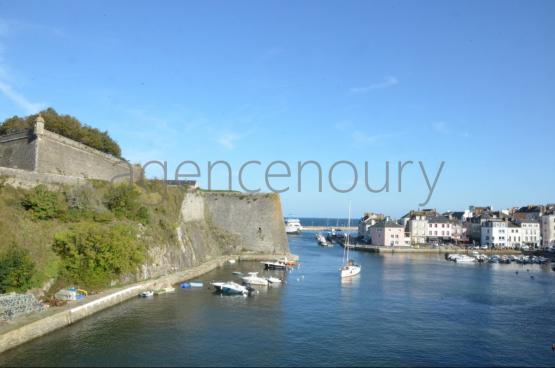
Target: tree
x,y
123,201
16,270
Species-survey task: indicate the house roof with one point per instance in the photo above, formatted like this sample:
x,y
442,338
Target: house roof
x,y
439,220
385,224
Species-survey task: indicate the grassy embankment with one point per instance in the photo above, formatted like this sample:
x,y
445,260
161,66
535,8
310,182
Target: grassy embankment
x,y
87,236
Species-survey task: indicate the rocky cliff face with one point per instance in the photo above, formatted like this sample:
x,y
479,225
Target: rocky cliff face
x,y
213,224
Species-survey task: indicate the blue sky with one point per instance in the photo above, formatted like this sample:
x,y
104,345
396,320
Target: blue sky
x,y
471,83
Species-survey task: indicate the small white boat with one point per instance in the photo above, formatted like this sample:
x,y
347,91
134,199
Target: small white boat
x,y
350,270
273,280
253,279
146,294
465,259
196,284
454,257
232,261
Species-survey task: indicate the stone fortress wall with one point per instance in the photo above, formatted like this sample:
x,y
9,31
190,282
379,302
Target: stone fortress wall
x,y
39,155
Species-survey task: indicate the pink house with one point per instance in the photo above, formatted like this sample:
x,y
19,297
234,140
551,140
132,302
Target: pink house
x,y
388,233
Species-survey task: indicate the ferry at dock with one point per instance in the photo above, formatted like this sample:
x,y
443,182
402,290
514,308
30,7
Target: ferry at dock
x,y
293,226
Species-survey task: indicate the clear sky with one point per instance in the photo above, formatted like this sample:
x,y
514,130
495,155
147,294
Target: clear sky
x,y
471,83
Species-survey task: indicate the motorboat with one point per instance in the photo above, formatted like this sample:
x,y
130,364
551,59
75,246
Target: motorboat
x,y
274,265
196,284
293,226
231,288
465,259
453,257
146,294
481,258
273,280
252,278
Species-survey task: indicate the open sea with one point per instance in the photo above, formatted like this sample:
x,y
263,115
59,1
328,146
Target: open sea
x,y
413,310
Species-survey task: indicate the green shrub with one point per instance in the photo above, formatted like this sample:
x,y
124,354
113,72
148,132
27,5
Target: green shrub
x,y
94,254
16,270
44,204
103,217
123,201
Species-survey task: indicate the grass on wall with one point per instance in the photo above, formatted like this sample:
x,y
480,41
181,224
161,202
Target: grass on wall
x,y
87,235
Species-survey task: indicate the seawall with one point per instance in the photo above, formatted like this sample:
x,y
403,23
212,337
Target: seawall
x,y
31,327
216,224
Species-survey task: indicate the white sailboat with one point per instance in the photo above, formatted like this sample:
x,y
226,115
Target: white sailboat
x,y
349,268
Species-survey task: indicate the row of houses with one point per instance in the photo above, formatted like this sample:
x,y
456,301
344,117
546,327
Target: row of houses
x,y
532,226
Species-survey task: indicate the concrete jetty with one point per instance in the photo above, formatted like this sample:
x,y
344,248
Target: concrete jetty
x,y
427,250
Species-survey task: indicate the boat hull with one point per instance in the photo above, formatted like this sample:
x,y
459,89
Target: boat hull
x,y
350,271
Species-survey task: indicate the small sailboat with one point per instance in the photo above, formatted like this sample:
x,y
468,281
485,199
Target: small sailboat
x,y
321,239
350,268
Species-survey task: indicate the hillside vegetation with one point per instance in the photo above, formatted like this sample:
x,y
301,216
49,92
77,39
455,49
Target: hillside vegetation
x,y
65,125
90,236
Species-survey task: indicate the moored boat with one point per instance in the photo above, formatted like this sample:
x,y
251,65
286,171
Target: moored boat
x,y
146,294
349,268
293,226
274,265
252,278
273,280
230,288
465,259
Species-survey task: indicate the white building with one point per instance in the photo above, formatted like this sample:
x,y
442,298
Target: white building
x,y
418,229
514,238
548,230
530,233
440,229
494,233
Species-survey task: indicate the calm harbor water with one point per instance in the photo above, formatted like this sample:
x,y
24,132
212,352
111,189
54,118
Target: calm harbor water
x,y
402,310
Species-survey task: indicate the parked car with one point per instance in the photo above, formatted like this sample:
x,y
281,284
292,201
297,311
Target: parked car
x,y
525,248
